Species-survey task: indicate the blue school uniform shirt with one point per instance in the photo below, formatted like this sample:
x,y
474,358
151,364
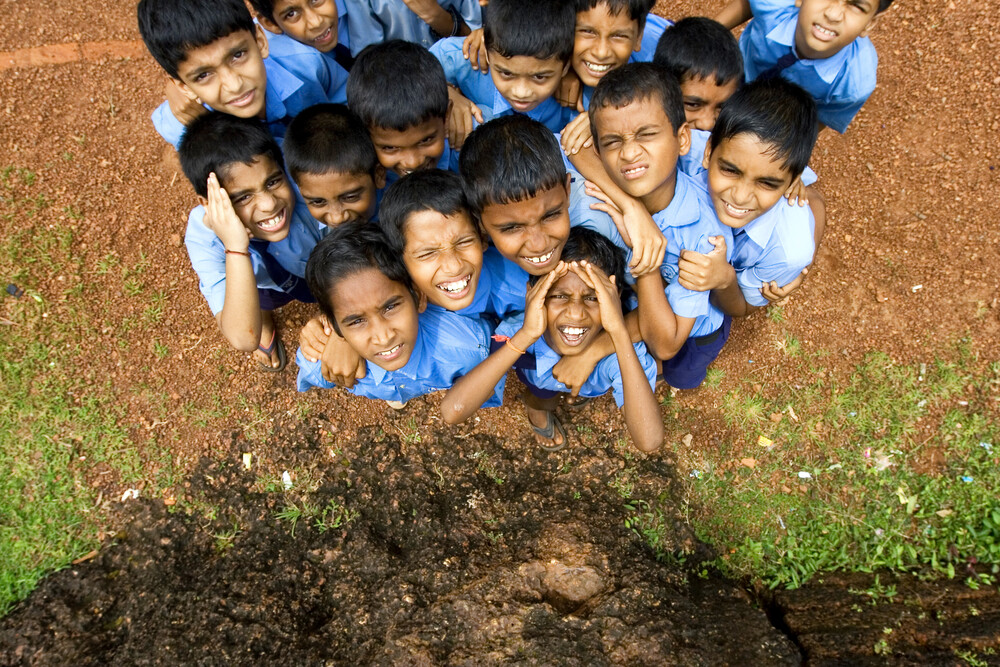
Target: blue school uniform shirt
x,y
293,56
655,27
606,375
208,254
500,291
840,84
691,163
447,347
287,94
377,21
478,87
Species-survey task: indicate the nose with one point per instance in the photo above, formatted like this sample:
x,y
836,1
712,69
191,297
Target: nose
x,y
834,11
602,49
631,149
521,91
704,120
337,215
742,192
313,20
536,243
266,201
410,161
231,80
451,263
381,332
575,310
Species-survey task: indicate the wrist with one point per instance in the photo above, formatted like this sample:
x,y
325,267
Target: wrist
x,y
522,340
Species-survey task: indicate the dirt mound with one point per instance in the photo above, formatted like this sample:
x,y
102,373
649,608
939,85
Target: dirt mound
x,y
456,551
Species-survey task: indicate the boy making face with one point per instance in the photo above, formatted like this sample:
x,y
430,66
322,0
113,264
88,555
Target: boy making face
x,y
333,162
314,23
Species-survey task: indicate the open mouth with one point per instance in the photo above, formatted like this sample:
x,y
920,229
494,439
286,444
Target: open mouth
x,y
597,69
325,38
823,34
573,336
632,173
539,260
391,353
735,211
273,223
244,100
521,106
456,288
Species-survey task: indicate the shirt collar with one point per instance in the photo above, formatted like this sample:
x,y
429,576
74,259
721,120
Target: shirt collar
x,y
826,68
545,357
760,229
684,208
281,84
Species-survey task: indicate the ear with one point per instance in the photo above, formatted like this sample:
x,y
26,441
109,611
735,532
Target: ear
x,y
871,24
708,154
202,200
638,40
184,87
684,138
421,302
268,24
566,68
379,177
261,40
569,179
798,3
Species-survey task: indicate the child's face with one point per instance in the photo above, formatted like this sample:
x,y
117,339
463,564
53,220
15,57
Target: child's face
x,y
444,257
603,42
228,74
312,22
531,232
826,26
703,100
524,81
639,149
377,317
417,147
336,197
745,179
262,197
572,315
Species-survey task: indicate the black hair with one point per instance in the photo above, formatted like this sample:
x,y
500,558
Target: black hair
x,y
171,28
637,10
698,47
778,113
328,138
509,159
216,140
638,81
424,190
535,28
587,245
396,85
346,250
882,6
263,7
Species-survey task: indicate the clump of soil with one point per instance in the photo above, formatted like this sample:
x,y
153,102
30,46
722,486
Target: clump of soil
x,y
458,550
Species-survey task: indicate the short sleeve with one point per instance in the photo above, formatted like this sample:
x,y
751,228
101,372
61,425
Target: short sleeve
x,y
167,125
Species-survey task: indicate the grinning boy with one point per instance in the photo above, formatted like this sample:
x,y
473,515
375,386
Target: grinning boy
x,y
332,160
529,46
248,241
821,45
399,91
566,310
760,144
637,119
215,55
365,293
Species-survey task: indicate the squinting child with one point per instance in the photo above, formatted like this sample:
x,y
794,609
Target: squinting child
x,y
399,91
332,160
821,45
248,241
366,294
216,56
760,144
566,310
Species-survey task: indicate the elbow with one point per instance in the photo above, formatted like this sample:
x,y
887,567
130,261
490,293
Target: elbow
x,y
662,349
452,413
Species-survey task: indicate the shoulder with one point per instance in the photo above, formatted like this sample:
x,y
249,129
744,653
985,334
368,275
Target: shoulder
x,y
765,8
455,332
862,63
448,48
794,233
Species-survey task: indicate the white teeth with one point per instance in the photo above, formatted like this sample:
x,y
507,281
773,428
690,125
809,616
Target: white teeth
x,y
634,170
573,331
456,286
388,353
736,211
540,259
594,67
825,31
272,223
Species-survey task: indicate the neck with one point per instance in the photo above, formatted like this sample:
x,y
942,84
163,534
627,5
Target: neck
x,y
660,198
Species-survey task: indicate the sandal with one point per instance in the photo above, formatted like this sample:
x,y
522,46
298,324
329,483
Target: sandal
x,y
549,431
282,355
577,402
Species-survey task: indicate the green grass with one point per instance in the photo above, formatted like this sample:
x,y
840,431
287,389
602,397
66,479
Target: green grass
x,y
53,426
847,484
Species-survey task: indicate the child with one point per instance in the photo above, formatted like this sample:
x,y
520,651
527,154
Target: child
x,y
420,22
214,54
566,310
399,92
760,144
819,44
248,242
637,120
364,291
425,219
529,45
295,27
332,160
